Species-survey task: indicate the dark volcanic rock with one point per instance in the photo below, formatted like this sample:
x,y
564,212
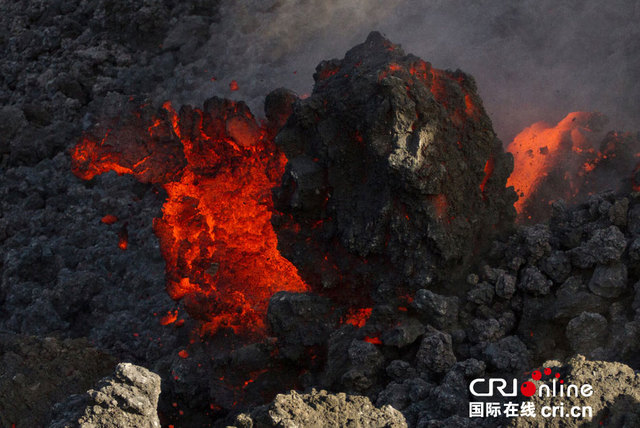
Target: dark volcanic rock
x,y
573,298
508,354
605,246
534,281
403,334
435,353
440,311
609,281
299,320
395,175
586,332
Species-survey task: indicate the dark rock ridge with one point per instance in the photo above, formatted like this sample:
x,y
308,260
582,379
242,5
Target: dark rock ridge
x,y
395,177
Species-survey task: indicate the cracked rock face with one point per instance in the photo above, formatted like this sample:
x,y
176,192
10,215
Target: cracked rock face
x,y
129,398
394,174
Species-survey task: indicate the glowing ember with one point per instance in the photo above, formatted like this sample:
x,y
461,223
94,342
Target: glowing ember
x,y
123,238
169,318
109,219
373,340
218,167
358,317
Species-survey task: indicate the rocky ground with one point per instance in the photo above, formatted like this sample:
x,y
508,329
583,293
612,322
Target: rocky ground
x,y
549,291
128,398
74,303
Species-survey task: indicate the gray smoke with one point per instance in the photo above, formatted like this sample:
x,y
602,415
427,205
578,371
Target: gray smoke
x,y
533,60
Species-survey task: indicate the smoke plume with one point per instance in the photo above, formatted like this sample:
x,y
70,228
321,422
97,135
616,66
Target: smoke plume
x,y
533,60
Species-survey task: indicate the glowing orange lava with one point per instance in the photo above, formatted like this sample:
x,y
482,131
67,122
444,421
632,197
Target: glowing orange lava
x,y
218,167
541,148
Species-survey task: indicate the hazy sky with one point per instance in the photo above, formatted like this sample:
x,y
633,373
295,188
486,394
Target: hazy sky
x,y
533,60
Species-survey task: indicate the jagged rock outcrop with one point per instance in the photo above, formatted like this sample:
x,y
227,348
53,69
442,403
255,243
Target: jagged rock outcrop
x,y
129,398
395,175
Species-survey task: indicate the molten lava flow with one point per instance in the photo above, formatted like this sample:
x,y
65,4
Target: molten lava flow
x,y
542,149
488,170
218,167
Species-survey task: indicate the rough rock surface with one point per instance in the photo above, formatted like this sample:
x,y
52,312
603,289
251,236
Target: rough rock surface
x,y
129,398
321,409
615,401
394,172
36,372
300,320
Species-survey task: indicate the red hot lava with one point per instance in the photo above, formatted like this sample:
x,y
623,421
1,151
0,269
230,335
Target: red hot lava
x,y
541,148
568,161
218,167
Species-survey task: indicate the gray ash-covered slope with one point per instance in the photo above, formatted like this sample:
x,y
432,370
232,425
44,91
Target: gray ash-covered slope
x,y
395,176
